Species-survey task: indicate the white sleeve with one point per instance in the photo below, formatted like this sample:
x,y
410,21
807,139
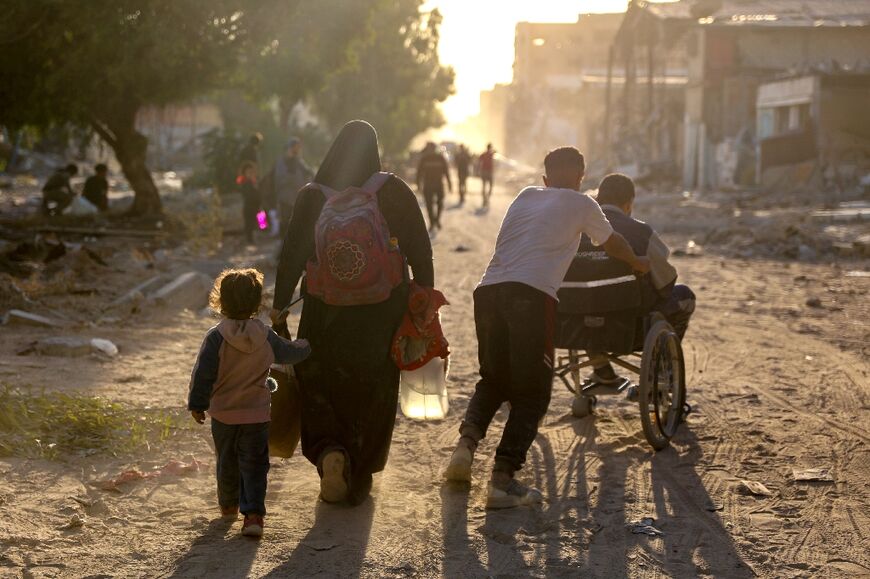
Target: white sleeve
x,y
595,224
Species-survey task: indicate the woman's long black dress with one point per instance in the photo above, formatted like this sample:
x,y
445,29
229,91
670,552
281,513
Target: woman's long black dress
x,y
350,384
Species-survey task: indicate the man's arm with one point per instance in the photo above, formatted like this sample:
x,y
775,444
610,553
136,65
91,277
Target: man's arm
x,y
420,173
662,273
616,246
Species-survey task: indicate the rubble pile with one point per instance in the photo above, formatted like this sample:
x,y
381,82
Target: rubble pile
x,y
755,224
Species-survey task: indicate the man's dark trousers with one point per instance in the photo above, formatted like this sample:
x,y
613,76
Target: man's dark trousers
x,y
515,326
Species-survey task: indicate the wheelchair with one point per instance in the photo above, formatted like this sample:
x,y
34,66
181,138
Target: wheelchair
x,y
604,310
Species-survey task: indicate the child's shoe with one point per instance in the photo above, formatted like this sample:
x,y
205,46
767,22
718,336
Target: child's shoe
x,y
253,526
230,513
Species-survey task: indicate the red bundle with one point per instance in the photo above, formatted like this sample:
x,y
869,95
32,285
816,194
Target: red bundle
x,y
420,338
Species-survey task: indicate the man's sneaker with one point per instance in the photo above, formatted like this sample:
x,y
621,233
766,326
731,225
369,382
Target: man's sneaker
x,y
253,526
333,484
459,468
230,513
515,495
604,375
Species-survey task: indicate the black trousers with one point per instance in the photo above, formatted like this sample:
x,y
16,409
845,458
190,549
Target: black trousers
x,y
515,326
54,201
678,308
463,185
242,465
434,197
249,219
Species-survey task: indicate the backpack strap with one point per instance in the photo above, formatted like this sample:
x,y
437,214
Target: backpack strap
x,y
375,182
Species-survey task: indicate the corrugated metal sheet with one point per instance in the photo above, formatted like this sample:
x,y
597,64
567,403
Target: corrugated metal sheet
x,y
764,12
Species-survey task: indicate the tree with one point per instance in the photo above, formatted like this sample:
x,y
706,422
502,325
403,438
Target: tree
x,y
394,78
96,63
312,40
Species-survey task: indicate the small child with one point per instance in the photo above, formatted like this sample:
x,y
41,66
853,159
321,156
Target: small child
x,y
247,183
229,380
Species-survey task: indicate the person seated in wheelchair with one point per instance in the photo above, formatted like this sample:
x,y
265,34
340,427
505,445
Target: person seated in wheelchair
x,y
659,290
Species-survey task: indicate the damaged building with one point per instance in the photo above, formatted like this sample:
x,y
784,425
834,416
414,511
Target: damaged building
x,y
737,53
557,93
814,130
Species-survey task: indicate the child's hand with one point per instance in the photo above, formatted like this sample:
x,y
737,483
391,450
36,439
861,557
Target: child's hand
x,y
198,415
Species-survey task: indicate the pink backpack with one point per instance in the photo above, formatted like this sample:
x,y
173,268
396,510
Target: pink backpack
x,y
355,260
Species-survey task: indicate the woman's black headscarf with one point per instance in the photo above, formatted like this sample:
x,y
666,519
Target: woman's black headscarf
x,y
352,158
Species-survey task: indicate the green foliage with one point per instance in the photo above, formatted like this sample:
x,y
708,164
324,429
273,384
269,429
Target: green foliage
x,y
97,62
75,60
221,149
309,40
202,221
394,79
55,425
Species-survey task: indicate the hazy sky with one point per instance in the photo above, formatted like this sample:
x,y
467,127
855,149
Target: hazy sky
x,y
477,39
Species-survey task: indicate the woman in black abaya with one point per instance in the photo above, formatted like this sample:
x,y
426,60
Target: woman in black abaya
x,y
349,386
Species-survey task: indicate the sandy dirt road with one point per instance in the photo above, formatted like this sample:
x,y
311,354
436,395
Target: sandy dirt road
x,y
775,384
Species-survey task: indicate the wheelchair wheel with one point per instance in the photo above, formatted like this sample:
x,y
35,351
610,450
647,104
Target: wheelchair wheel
x,y
662,388
582,405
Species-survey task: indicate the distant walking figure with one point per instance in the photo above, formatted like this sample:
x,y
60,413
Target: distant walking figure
x,y
462,160
350,385
431,173
487,172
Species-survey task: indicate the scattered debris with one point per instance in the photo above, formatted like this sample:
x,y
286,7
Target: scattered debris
x,y
645,527
320,544
814,303
692,249
22,318
756,488
806,253
189,290
11,296
104,347
71,347
101,232
172,468
76,521
818,474
64,346
137,294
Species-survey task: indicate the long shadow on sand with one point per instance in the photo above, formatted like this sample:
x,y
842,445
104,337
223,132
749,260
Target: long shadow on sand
x,y
335,546
218,552
460,558
695,541
593,491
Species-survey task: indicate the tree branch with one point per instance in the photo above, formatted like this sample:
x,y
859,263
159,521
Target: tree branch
x,y
105,133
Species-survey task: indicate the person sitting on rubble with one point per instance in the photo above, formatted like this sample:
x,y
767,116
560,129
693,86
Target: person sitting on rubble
x,y
57,193
97,188
676,302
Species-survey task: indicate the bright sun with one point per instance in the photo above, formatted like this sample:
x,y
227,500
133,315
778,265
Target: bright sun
x,y
477,39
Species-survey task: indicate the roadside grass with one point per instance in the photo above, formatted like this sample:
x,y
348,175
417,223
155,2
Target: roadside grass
x,y
55,425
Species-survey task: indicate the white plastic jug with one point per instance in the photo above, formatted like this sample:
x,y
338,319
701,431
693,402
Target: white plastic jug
x,y
423,392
